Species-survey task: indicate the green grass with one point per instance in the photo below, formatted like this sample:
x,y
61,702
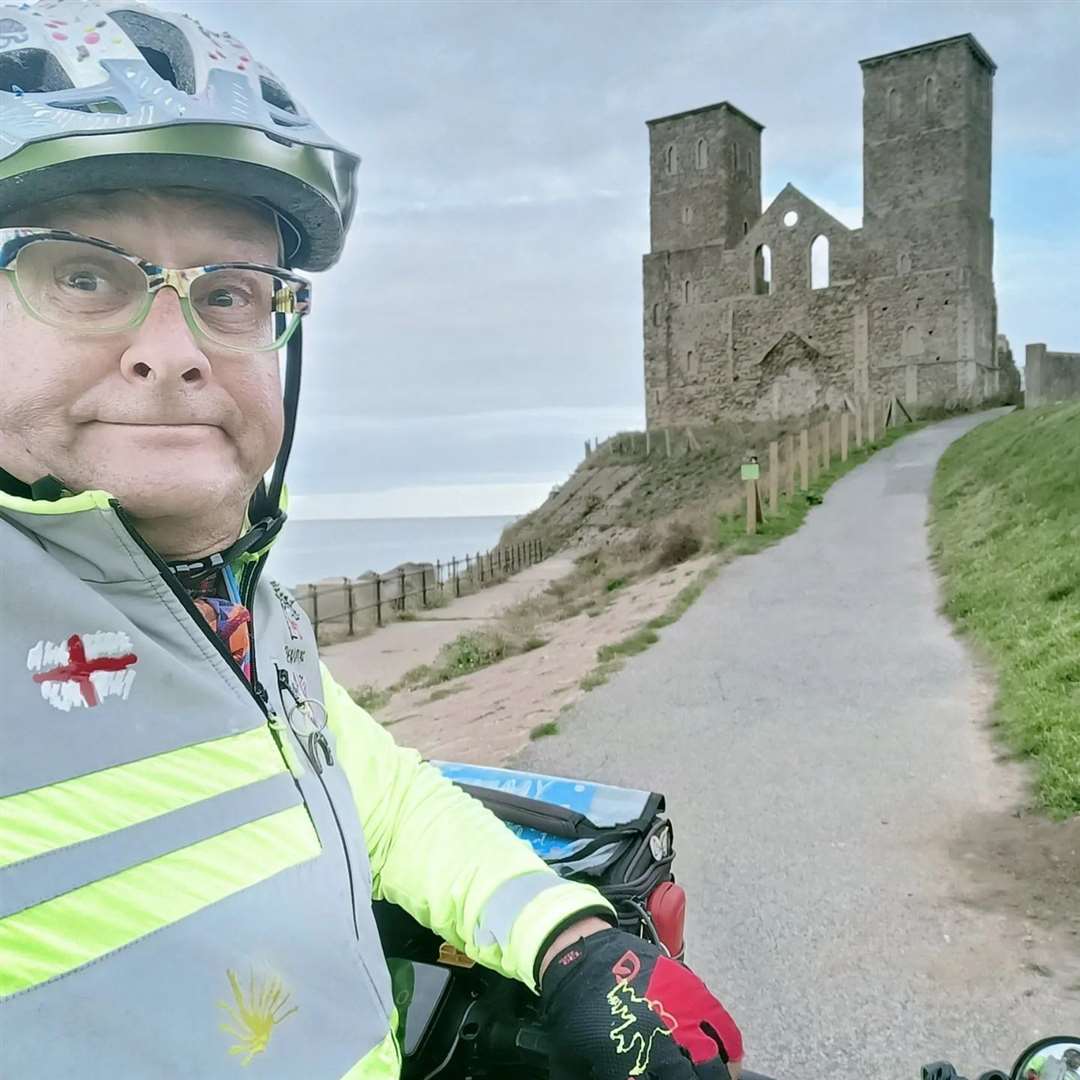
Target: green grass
x,y
370,698
467,653
1005,534
600,674
446,691
636,643
542,731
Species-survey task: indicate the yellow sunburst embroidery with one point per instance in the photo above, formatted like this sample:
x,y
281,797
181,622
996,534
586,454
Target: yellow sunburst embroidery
x,y
254,1015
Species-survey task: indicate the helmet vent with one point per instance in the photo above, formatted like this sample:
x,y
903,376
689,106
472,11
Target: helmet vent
x,y
105,105
163,46
32,71
275,94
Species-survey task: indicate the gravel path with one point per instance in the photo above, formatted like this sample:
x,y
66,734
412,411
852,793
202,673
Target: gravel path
x,y
820,735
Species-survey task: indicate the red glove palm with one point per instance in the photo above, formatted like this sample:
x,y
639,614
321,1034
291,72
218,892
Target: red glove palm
x,y
616,1008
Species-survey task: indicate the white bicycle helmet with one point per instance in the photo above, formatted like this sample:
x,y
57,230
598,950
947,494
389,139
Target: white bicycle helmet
x,y
104,95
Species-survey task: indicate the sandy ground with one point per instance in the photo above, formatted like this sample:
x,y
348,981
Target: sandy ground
x,y
486,717
383,656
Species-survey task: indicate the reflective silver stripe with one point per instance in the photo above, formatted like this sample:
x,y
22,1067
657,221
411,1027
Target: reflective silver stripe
x,y
36,880
507,902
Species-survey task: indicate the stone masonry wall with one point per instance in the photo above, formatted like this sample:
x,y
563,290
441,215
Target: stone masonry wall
x,y
1051,376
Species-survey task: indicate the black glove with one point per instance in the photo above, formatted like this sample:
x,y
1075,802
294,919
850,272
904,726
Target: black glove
x,y
616,1008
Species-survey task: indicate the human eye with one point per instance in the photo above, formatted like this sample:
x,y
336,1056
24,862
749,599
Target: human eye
x,y
86,277
233,290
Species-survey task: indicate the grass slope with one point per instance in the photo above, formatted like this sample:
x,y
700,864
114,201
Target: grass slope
x,y
1006,538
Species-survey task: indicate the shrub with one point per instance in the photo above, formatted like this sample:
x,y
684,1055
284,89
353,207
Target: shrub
x,y
681,542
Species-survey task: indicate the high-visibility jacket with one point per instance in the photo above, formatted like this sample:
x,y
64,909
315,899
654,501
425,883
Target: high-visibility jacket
x,y
188,862
1046,1067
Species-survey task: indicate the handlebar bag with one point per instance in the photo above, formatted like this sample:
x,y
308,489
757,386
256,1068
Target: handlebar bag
x,y
617,839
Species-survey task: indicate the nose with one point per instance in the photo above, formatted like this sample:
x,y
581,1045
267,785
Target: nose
x,y
164,351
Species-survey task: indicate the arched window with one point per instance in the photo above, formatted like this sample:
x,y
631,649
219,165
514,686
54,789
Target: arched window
x,y
930,99
686,292
912,342
671,161
763,270
745,227
656,314
735,157
702,154
819,263
892,105
687,214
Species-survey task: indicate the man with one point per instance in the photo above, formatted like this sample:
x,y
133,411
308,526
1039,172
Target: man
x,y
194,817
1045,1067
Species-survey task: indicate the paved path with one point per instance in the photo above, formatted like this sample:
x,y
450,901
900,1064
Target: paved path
x,y
383,656
819,734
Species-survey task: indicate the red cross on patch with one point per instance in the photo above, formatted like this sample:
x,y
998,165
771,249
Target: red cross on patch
x,y
84,670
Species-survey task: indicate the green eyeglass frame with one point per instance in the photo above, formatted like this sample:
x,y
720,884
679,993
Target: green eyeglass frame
x,y
290,301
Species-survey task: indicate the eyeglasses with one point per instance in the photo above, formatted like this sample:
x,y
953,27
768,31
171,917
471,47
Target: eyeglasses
x,y
79,283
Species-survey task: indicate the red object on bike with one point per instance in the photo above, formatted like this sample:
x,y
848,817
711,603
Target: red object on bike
x,y
667,909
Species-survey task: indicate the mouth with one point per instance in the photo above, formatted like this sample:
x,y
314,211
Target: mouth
x,y
157,434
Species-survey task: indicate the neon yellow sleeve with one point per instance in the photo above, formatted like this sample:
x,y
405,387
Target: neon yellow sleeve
x,y
442,856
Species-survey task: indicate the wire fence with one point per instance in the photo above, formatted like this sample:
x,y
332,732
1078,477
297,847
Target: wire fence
x,y
341,609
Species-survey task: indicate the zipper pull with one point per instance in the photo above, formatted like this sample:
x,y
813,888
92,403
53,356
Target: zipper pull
x,y
318,741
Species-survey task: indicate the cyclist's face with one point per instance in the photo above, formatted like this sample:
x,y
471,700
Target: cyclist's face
x,y
167,423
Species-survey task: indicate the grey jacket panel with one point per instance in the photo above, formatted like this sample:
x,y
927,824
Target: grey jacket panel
x,y
167,707
156,1006
156,1009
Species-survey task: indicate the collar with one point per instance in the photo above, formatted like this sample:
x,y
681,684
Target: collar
x,y
48,488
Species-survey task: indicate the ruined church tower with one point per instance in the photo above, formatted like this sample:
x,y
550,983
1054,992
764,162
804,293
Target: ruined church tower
x,y
927,231
753,314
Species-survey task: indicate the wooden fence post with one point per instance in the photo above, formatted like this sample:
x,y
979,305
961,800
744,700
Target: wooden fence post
x,y
457,580
751,472
789,463
774,476
315,609
843,436
401,584
423,585
804,459
871,405
378,599
348,589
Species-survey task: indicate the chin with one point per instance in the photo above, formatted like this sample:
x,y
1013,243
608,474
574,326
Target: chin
x,y
184,495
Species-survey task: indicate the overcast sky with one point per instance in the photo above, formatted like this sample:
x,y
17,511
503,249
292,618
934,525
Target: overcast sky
x,y
486,316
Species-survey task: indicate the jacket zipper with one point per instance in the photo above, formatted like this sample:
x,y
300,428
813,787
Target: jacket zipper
x,y
255,688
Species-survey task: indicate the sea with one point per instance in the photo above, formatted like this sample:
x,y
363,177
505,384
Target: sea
x,y
312,550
